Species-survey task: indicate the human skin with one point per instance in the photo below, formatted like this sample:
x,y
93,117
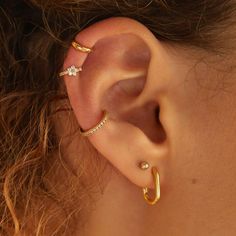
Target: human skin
x,y
192,143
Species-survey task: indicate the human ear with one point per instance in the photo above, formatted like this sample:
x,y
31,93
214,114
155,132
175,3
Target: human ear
x,y
120,76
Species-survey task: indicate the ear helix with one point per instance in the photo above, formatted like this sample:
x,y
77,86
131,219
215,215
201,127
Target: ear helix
x,y
72,71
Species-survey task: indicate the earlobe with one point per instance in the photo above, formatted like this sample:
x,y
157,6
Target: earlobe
x,y
114,78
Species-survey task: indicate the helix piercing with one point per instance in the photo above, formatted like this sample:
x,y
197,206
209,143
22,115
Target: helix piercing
x,y
71,71
95,128
80,48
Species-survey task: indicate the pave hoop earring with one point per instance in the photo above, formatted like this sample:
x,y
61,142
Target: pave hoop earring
x,y
157,191
91,131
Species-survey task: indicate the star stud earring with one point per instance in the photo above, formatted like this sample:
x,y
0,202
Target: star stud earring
x,y
71,71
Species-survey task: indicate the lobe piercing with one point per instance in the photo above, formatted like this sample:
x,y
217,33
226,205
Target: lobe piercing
x,y
97,127
144,165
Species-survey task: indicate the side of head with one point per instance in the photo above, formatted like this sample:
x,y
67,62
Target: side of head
x,y
163,72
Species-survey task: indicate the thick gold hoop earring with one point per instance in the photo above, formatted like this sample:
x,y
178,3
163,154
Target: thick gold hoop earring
x,y
95,128
157,191
80,47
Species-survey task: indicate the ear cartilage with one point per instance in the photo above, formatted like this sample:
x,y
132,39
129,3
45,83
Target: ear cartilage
x,y
80,48
71,71
144,165
91,131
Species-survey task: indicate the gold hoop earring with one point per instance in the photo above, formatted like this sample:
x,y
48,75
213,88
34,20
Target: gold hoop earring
x,y
91,131
80,48
157,191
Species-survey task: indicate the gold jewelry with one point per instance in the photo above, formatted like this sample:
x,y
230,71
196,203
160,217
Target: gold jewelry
x,y
95,128
81,48
157,190
71,71
144,165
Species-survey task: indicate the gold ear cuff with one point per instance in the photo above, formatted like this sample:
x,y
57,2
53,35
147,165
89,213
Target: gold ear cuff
x,y
91,131
80,48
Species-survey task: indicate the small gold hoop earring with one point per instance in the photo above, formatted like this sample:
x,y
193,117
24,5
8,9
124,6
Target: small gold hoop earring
x,y
80,48
91,131
157,191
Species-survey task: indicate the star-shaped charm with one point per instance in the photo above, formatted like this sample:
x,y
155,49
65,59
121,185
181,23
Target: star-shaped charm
x,y
72,71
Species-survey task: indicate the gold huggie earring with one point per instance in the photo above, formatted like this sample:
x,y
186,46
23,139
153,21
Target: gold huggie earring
x,y
80,48
95,128
157,191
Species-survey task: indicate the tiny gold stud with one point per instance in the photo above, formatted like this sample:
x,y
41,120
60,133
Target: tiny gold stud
x,y
144,165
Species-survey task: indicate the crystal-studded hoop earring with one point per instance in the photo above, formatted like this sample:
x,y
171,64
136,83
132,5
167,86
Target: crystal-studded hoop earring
x,y
91,131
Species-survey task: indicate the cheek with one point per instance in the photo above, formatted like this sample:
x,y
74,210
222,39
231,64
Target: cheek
x,y
201,127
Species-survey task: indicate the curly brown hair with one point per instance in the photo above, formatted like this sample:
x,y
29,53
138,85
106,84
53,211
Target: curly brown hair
x,y
34,36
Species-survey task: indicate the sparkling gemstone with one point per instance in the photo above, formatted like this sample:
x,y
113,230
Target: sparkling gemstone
x,y
144,165
72,71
